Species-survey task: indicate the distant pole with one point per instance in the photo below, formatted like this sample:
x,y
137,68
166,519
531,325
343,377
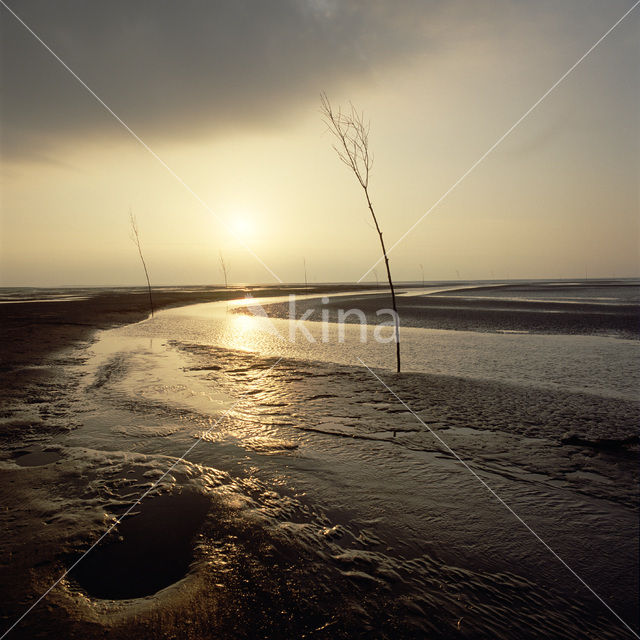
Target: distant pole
x,y
422,269
225,270
306,287
135,236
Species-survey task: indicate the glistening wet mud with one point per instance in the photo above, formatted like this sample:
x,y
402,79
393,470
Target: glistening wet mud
x,y
314,504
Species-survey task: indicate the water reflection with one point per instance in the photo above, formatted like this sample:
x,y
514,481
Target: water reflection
x,y
559,361
248,333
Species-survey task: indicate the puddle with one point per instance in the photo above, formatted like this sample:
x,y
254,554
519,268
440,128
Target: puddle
x,y
154,550
36,457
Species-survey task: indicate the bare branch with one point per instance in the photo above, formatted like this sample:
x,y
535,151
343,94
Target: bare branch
x,y
352,137
225,270
351,134
135,237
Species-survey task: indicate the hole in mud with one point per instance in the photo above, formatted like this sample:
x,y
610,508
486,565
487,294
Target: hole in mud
x,y
35,458
155,549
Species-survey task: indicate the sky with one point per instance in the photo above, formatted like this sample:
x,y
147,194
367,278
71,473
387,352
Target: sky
x,y
224,151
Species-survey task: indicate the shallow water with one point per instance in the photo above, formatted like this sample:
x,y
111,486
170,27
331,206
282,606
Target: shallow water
x,y
338,513
600,365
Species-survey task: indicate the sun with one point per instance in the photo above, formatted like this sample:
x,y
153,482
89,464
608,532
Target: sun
x,y
241,225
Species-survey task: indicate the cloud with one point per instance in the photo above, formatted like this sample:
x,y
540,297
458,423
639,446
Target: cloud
x,y
186,68
176,68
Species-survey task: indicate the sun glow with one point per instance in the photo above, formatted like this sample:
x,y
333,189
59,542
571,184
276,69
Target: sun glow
x,y
241,226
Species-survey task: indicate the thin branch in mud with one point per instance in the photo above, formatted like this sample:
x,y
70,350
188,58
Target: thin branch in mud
x,y
135,237
351,135
225,271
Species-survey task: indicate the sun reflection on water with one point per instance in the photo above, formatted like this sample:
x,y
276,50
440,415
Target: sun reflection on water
x,y
249,333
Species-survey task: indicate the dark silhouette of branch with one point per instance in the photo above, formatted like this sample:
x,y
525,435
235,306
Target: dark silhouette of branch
x,y
135,236
351,133
225,271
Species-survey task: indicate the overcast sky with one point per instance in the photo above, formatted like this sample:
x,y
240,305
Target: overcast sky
x,y
227,95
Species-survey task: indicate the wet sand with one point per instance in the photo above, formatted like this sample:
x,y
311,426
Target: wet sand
x,y
571,309
38,338
32,329
317,508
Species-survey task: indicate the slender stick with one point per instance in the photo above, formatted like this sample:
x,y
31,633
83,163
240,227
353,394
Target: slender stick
x,y
225,271
306,286
135,236
386,263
